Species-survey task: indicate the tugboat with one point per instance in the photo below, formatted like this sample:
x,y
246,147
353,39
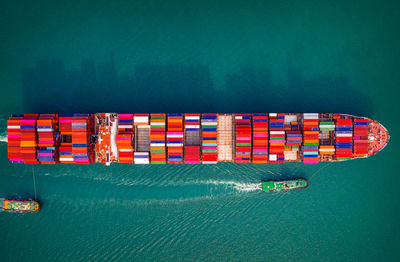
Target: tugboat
x,y
268,186
21,205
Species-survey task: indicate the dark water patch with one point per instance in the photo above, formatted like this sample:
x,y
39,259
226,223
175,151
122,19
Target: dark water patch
x,y
253,90
51,87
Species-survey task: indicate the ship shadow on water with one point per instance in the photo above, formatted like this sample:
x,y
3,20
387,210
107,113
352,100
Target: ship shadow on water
x,y
51,87
24,196
284,173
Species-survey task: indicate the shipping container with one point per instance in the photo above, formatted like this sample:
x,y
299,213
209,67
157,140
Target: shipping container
x,y
142,139
277,137
209,124
311,138
343,138
192,139
175,138
225,135
260,138
157,139
243,132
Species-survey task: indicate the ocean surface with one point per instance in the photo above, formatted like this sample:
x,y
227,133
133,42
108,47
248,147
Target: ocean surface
x,y
202,56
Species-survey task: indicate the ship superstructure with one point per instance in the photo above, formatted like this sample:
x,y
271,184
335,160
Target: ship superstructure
x,y
178,138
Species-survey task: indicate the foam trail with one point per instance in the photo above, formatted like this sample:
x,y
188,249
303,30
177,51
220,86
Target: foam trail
x,y
238,186
3,130
3,138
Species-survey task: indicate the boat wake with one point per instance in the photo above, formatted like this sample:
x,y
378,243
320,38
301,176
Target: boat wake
x,y
3,138
225,184
2,204
3,130
228,184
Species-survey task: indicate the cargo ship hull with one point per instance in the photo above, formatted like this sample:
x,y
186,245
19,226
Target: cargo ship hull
x,y
192,138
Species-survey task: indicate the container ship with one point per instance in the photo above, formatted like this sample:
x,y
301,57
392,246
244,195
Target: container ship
x,y
268,186
177,138
21,205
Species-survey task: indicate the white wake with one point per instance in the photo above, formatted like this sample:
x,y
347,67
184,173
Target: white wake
x,y
238,186
3,138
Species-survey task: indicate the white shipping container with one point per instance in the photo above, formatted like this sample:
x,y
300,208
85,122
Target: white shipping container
x,y
138,120
290,118
126,150
192,126
326,126
238,117
174,136
157,145
66,159
277,132
175,145
273,157
273,114
344,135
125,126
13,127
209,162
310,115
141,161
157,124
192,117
140,153
326,150
45,130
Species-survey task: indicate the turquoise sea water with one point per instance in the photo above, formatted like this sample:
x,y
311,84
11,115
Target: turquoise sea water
x,y
202,56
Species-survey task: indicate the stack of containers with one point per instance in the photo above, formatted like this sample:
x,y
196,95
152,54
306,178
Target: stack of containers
x,y
327,149
142,145
243,138
14,139
65,129
157,139
260,138
209,124
327,126
141,158
125,138
294,138
294,126
81,126
361,130
125,123
192,138
29,139
225,134
47,139
344,139
311,138
276,138
175,138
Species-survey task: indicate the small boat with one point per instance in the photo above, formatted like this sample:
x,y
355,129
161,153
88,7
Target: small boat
x,y
267,186
21,205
